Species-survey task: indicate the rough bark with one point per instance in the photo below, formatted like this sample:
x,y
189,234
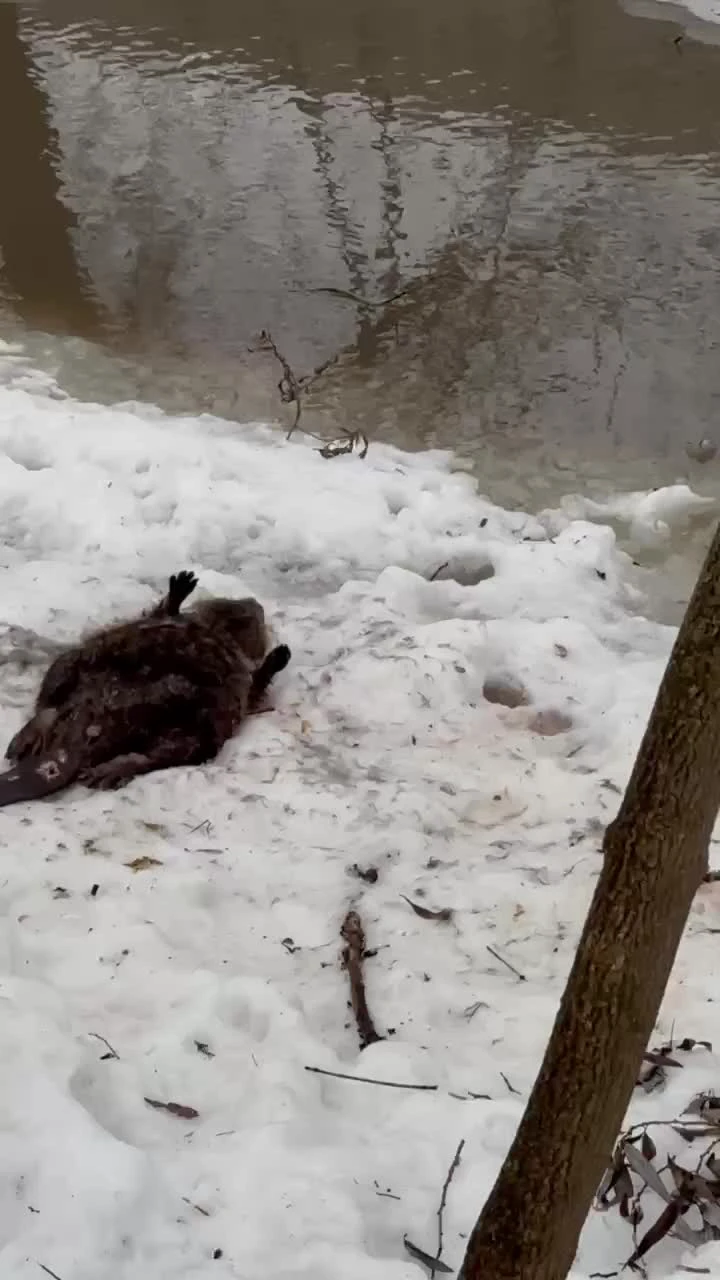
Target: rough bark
x,y
655,856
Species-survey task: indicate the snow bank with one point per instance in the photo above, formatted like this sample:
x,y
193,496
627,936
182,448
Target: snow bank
x,y
701,15
213,970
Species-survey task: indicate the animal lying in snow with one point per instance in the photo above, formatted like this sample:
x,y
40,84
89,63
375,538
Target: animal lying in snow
x,y
165,689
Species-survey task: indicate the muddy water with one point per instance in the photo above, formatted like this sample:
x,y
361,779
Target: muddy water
x,y
496,224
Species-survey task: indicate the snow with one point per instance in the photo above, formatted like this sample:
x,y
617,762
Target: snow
x,y
213,971
700,15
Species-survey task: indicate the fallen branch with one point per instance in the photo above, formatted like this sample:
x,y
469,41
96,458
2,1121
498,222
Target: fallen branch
x,y
292,387
352,956
48,1272
111,1053
520,976
443,1200
289,385
388,1084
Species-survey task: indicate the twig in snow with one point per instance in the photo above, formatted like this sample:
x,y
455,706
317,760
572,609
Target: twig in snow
x,y
438,571
48,1272
443,1199
111,1053
352,956
510,1087
520,976
389,1084
198,1207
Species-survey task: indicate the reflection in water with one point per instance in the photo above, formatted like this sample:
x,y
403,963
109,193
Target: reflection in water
x,y
538,181
39,270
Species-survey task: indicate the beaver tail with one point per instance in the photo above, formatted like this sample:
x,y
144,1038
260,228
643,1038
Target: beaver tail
x,y
36,777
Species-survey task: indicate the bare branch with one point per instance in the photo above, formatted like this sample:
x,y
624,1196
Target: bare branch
x,y
388,1084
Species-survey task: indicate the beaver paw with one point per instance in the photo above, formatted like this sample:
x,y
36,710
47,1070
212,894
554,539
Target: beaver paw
x,y
182,585
114,773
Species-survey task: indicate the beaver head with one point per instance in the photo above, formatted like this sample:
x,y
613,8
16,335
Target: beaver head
x,y
241,621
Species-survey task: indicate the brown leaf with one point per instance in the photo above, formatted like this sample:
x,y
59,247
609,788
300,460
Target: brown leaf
x,y
688,1044
706,1105
693,1186
643,1168
658,1230
661,1058
175,1109
433,1264
691,1132
425,913
647,1146
617,1180
143,863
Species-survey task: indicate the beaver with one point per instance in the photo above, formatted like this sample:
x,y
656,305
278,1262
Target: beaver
x,y
167,688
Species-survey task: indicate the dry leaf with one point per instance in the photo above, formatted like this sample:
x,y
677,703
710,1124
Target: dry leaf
x,y
645,1170
433,1264
661,1058
175,1109
143,863
622,1185
691,1132
658,1230
693,1186
425,913
647,1146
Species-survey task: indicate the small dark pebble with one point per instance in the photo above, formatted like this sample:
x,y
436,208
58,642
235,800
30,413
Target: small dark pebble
x,y
600,574
94,890
217,1253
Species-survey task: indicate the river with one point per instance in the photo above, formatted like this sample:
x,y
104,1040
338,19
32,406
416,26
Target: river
x,y
496,226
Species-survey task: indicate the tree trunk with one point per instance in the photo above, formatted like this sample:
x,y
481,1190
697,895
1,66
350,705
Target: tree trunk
x,y
655,855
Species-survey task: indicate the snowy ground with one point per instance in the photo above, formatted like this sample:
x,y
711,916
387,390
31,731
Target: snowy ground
x,y
700,17
214,972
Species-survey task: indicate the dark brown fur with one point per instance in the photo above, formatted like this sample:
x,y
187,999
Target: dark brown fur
x,y
166,689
